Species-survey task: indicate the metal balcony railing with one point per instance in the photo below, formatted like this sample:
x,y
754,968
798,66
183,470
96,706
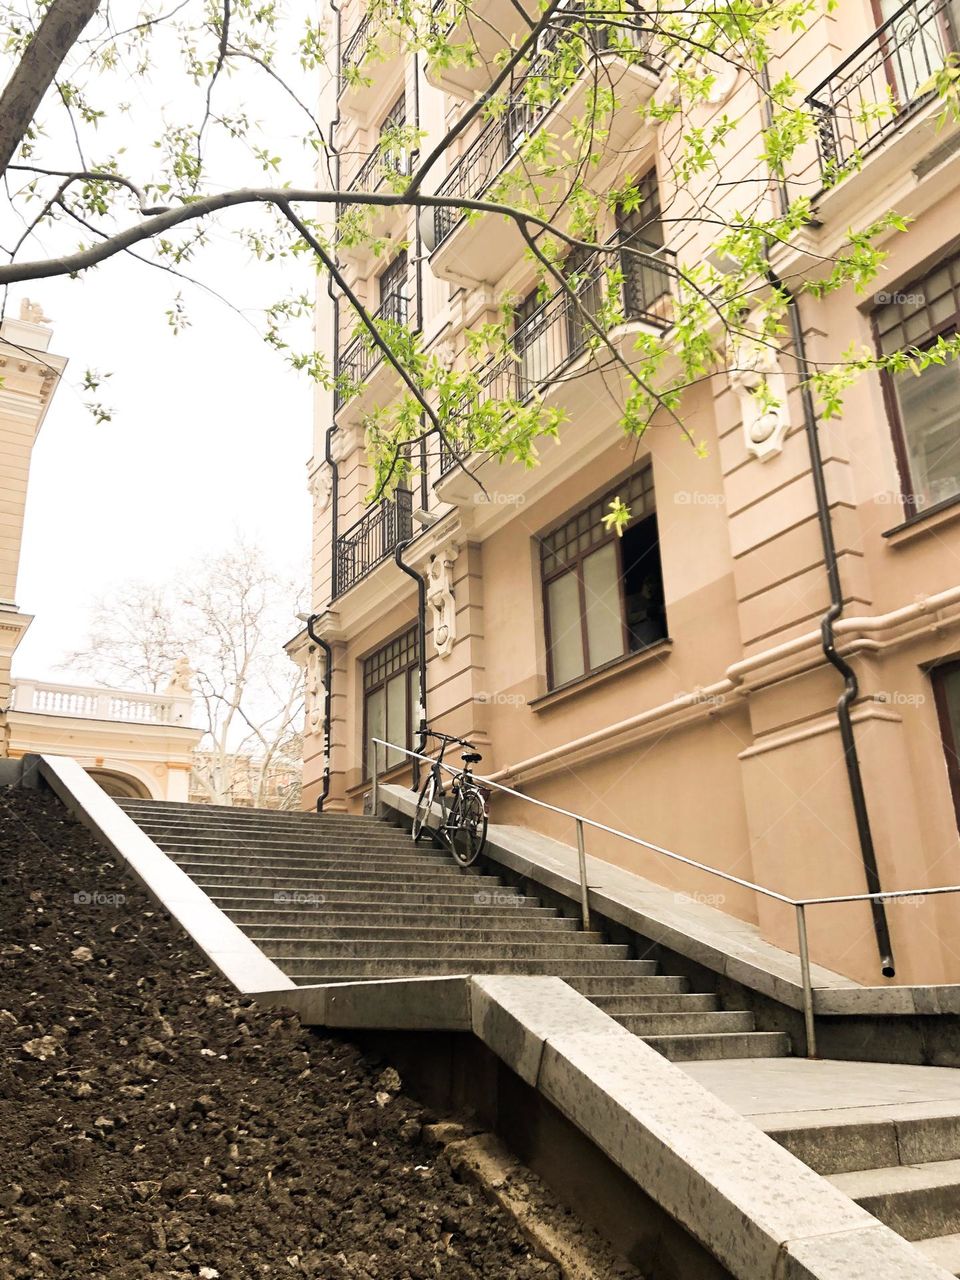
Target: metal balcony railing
x,y
558,332
352,52
882,84
360,356
374,172
372,539
501,139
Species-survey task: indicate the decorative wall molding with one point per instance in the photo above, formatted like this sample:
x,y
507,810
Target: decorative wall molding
x,y
756,378
441,600
320,486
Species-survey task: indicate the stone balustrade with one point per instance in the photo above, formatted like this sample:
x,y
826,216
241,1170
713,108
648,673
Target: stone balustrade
x,y
94,703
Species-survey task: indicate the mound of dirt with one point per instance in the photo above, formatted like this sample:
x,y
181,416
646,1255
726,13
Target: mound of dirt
x,y
153,1124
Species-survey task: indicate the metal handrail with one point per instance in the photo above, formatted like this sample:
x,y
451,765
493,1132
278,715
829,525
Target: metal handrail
x,y
799,904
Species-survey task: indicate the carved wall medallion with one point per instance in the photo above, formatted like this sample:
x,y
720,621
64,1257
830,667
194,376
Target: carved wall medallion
x,y
440,600
757,380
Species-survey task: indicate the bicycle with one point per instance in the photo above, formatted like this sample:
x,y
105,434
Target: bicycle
x,y
463,827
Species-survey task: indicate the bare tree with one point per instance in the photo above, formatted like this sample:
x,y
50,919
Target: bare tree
x,y
229,618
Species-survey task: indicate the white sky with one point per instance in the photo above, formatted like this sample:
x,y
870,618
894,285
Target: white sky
x,y
211,429
211,433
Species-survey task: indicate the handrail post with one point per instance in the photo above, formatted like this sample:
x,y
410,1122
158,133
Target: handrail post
x,y
584,891
376,779
808,1019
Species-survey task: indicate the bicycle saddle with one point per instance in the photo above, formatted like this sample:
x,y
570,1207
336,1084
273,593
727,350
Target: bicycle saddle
x,y
471,757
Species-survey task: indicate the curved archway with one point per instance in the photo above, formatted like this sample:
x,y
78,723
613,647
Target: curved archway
x,y
120,785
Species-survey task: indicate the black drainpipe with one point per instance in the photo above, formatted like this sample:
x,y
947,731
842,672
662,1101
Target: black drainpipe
x,y
851,686
327,651
421,650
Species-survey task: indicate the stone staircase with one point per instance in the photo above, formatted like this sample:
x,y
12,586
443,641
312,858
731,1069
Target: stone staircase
x,y
335,898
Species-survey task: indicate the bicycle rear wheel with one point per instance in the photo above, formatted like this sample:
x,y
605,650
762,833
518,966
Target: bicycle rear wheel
x,y
421,818
468,827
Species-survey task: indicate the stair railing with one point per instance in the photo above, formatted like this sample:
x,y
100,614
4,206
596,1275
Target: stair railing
x,y
799,905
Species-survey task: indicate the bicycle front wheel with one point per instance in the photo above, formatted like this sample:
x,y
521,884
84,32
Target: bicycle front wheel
x,y
421,819
469,833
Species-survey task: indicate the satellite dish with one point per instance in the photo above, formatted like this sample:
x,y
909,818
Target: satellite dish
x,y
427,228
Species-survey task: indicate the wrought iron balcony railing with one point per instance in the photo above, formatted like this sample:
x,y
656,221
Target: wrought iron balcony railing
x,y
500,140
376,170
372,539
558,332
882,84
361,356
351,53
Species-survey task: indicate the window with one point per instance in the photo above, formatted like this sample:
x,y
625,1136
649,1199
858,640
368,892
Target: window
x,y
916,44
602,595
642,228
924,411
585,276
391,697
531,338
395,157
392,283
946,692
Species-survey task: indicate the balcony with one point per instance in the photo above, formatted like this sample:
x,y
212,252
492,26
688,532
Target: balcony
x,y
370,541
484,248
377,172
360,98
502,26
93,703
364,377
554,345
883,86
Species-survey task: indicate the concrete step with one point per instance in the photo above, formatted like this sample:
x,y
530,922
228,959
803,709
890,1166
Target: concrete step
x,y
384,935
624,985
699,1048
322,860
331,893
916,1200
687,1023
426,919
286,950
851,1142
228,841
211,815
305,970
942,1251
435,881
679,1002
347,912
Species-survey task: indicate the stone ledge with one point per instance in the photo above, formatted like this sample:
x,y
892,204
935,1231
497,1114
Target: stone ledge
x,y
712,938
749,1202
225,945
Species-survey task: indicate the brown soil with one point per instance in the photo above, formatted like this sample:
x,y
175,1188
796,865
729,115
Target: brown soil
x,y
153,1124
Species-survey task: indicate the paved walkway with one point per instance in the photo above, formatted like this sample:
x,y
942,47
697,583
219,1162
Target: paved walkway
x,y
772,1091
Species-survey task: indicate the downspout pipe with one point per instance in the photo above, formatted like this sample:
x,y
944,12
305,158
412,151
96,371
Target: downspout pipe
x,y
421,651
851,686
327,651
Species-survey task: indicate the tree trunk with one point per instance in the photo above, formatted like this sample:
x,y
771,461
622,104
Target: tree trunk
x,y
37,69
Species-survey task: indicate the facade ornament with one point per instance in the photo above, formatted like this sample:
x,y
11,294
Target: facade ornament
x,y
445,353
441,601
755,377
314,693
32,312
320,485
181,681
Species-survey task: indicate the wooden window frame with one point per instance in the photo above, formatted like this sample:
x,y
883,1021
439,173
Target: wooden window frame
x,y
410,668
945,328
574,564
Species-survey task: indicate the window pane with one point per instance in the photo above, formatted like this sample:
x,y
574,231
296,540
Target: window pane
x,y
376,725
643,584
601,589
930,414
566,642
397,716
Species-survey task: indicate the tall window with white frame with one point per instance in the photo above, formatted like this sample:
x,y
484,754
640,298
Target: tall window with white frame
x,y
390,698
924,411
603,595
